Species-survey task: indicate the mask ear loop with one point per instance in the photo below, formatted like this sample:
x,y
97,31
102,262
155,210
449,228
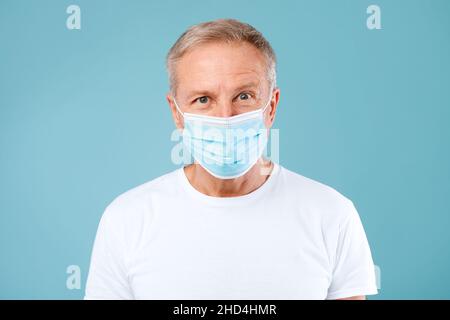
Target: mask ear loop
x,y
268,102
177,107
179,110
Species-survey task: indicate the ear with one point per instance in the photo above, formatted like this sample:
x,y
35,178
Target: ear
x,y
272,108
177,117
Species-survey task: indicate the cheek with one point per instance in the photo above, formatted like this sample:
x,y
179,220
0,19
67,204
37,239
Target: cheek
x,y
180,122
268,121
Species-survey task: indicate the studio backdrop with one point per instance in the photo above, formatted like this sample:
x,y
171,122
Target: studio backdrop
x,y
364,108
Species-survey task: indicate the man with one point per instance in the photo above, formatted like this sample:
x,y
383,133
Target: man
x,y
232,224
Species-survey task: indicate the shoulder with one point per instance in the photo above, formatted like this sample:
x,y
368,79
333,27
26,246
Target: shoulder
x,y
316,197
135,205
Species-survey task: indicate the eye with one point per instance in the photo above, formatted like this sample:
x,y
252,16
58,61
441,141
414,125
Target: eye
x,y
244,96
202,100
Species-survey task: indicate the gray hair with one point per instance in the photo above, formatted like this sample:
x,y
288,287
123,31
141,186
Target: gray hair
x,y
222,30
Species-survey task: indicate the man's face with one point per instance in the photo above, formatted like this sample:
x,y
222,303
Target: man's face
x,y
222,80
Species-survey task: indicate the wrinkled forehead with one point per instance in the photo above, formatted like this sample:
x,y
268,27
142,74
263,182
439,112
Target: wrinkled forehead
x,y
221,68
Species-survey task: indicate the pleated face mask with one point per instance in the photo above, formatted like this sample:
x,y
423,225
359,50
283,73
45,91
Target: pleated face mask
x,y
226,147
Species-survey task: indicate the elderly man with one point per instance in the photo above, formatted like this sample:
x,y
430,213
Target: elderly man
x,y
231,224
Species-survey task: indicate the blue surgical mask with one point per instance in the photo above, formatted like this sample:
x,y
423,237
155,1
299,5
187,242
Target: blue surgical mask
x,y
226,147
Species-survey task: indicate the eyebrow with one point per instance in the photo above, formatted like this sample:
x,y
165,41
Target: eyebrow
x,y
248,85
210,93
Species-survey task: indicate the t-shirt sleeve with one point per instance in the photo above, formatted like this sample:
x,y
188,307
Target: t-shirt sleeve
x,y
354,270
107,277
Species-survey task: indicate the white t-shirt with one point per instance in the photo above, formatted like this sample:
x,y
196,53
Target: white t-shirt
x,y
292,238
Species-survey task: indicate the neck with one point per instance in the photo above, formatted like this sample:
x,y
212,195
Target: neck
x,y
207,184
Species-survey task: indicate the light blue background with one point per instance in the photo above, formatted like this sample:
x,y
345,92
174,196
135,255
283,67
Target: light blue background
x,y
83,118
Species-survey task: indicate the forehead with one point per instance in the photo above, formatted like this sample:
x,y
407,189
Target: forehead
x,y
220,66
